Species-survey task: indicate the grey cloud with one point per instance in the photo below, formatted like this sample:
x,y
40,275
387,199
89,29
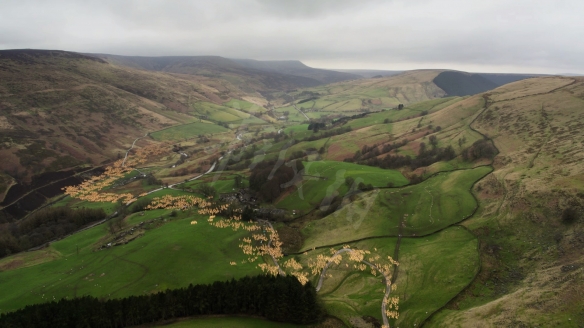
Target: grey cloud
x,y
536,35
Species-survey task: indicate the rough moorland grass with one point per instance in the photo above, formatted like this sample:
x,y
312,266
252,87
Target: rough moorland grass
x,y
186,131
327,178
434,104
231,322
420,209
409,111
171,256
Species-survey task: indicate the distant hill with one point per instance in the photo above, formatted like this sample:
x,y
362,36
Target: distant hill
x,y
297,68
249,75
369,94
456,83
369,73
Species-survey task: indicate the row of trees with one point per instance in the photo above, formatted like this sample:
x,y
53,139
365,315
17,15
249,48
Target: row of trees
x,y
369,155
276,298
374,150
327,133
424,158
43,226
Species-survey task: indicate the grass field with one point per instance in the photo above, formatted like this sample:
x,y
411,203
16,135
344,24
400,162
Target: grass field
x,y
349,292
217,112
187,131
108,207
171,256
231,322
293,114
223,183
432,270
226,114
420,209
244,106
326,178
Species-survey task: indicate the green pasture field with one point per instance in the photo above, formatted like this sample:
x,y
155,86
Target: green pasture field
x,y
231,322
408,111
249,120
293,114
108,207
432,270
315,115
218,112
322,103
187,131
306,105
176,116
223,183
349,104
170,256
244,105
420,209
298,128
325,178
375,93
138,217
281,110
166,191
64,202
349,292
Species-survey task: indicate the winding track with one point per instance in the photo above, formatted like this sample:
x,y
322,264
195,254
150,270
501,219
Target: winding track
x,y
372,266
133,143
175,184
301,112
270,242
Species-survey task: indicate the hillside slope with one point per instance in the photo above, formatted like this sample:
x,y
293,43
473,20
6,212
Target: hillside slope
x,y
297,68
61,109
249,75
462,84
530,224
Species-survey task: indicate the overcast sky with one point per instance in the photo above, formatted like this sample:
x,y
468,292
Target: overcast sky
x,y
531,36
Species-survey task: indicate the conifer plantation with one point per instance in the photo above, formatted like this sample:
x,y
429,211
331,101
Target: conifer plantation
x,y
276,298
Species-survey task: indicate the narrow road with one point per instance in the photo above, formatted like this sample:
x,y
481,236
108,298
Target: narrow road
x,y
266,222
50,183
175,184
372,266
301,112
133,143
